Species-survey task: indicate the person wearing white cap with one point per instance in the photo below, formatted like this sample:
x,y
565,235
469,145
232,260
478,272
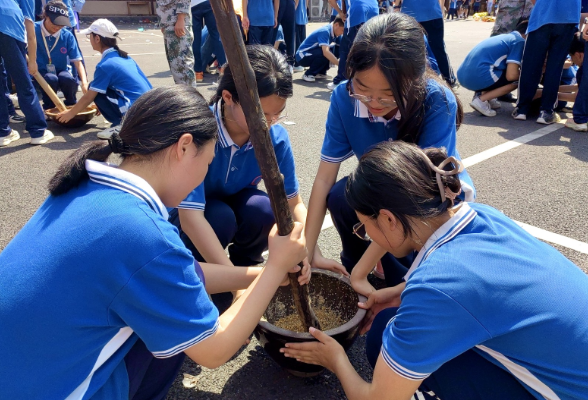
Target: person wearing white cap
x,y
118,80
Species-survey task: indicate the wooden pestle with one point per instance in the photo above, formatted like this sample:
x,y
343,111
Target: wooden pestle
x,y
54,98
244,78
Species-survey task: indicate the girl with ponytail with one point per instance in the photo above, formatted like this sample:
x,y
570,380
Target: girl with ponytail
x,y
486,310
118,80
98,283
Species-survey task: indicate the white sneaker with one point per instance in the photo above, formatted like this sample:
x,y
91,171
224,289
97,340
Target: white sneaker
x,y
323,76
6,140
291,69
108,132
14,99
308,78
298,69
570,123
331,86
483,107
518,116
60,94
47,136
494,104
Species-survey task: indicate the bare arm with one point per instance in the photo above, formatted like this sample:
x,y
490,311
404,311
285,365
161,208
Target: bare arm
x,y
203,237
82,74
329,56
333,4
276,9
245,18
363,267
237,323
31,46
317,205
513,72
80,106
223,278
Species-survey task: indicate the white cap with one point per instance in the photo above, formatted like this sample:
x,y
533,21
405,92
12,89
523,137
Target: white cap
x,y
102,27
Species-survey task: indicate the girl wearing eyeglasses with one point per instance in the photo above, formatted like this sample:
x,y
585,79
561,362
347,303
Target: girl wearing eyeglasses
x,y
487,311
228,208
391,94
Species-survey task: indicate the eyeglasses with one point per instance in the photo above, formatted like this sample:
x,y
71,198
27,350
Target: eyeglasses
x,y
360,232
369,99
276,120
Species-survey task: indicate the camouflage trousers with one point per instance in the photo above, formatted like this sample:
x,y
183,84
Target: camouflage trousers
x,y
510,13
179,56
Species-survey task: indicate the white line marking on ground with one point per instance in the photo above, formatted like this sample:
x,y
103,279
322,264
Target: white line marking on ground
x,y
555,238
511,144
144,33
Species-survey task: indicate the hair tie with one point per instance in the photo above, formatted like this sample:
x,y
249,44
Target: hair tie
x,y
116,144
444,191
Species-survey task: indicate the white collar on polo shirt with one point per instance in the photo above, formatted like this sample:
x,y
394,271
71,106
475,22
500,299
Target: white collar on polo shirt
x,y
464,215
110,175
361,111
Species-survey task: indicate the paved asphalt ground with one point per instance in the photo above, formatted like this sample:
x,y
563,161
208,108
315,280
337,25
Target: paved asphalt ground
x,y
540,183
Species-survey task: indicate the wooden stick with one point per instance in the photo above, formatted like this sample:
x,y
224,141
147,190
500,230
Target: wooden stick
x,y
45,86
244,77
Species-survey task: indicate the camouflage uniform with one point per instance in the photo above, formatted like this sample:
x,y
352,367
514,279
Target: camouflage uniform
x,y
177,49
510,13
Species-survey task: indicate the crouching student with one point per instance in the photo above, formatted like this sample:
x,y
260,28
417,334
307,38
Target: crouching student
x,y
57,48
492,69
118,80
315,52
487,310
391,95
113,300
228,208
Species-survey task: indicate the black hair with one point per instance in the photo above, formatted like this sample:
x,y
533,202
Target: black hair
x,y
522,27
578,44
154,122
111,42
272,75
338,20
395,43
396,176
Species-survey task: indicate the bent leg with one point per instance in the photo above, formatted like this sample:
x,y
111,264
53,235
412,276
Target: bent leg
x,y
255,219
69,87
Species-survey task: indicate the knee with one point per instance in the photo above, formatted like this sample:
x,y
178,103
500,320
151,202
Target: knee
x,y
336,200
66,79
222,220
51,79
260,214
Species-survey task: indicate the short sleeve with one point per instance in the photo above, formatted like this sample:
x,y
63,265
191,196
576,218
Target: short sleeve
x,y
439,128
73,51
323,38
286,162
429,329
516,52
336,146
101,80
166,305
196,199
28,9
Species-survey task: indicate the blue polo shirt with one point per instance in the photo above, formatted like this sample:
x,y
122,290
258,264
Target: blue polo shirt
x,y
422,10
483,282
323,36
301,14
122,75
12,16
359,11
260,12
351,129
107,269
554,12
486,63
62,46
235,168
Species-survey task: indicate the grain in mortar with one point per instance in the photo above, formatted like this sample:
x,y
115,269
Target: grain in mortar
x,y
327,317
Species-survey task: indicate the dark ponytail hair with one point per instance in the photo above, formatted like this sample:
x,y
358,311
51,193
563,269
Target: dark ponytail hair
x,y
272,75
397,176
111,42
395,43
153,123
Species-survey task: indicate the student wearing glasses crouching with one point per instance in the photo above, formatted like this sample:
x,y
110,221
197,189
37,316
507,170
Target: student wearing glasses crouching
x,y
387,63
